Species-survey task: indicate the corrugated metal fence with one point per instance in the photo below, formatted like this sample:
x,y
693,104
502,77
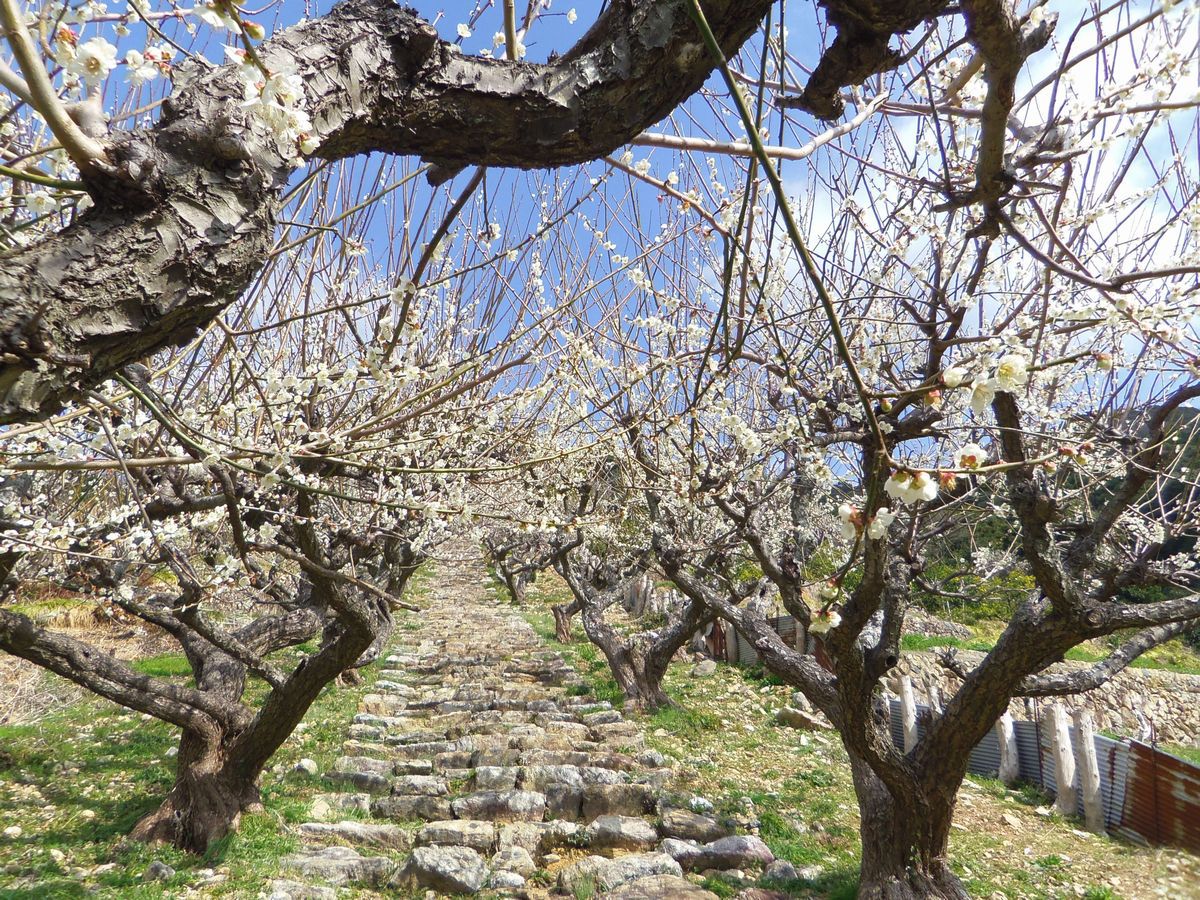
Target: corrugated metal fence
x,y
1149,796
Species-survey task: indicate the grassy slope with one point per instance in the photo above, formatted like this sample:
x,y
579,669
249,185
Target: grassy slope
x,y
723,739
95,757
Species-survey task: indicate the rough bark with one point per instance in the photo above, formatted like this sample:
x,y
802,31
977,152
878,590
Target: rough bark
x,y
563,613
904,845
186,220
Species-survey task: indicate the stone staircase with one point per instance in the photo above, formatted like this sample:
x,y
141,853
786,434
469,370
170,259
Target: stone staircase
x,y
479,766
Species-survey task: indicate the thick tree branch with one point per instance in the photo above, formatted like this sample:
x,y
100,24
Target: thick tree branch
x,y
1091,678
129,278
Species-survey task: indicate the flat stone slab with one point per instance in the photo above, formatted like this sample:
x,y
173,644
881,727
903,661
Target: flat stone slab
x,y
285,889
689,826
621,833
360,834
455,870
661,887
474,833
501,806
610,874
341,865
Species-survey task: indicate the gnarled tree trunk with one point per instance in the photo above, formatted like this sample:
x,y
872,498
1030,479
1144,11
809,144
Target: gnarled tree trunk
x,y
211,791
904,844
562,620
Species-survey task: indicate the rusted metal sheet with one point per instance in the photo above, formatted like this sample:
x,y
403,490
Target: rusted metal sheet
x,y
1162,798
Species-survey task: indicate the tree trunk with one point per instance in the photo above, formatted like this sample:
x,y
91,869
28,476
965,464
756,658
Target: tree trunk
x,y
515,582
904,845
562,621
210,794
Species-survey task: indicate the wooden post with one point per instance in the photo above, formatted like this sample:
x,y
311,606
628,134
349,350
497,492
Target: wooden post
x,y
908,713
1064,761
1089,772
1010,761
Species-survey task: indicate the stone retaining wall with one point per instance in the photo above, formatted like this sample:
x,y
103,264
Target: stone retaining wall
x,y
1135,698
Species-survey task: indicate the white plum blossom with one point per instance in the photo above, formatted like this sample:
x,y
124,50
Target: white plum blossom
x,y
1012,372
824,621
910,488
93,60
969,456
883,519
278,102
954,376
572,16
983,392
848,516
464,31
211,14
40,203
139,69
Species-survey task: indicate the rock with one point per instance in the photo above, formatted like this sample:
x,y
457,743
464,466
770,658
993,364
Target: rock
x,y
158,871
306,766
477,835
414,767
1010,819
690,826
283,889
609,874
661,887
736,852
496,778
706,668
620,833
505,880
538,778
414,807
341,865
685,853
651,759
756,893
362,772
617,800
331,806
780,870
501,806
604,717
701,805
798,718
514,859
419,786
362,834
455,870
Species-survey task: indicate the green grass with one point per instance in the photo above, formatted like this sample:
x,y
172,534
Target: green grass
x,y
1191,754
167,665
919,642
78,780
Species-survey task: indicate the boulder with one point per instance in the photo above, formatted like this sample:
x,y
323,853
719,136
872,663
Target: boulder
x,y
455,870
473,833
617,800
737,852
413,807
607,875
689,826
501,806
514,859
621,833
341,865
